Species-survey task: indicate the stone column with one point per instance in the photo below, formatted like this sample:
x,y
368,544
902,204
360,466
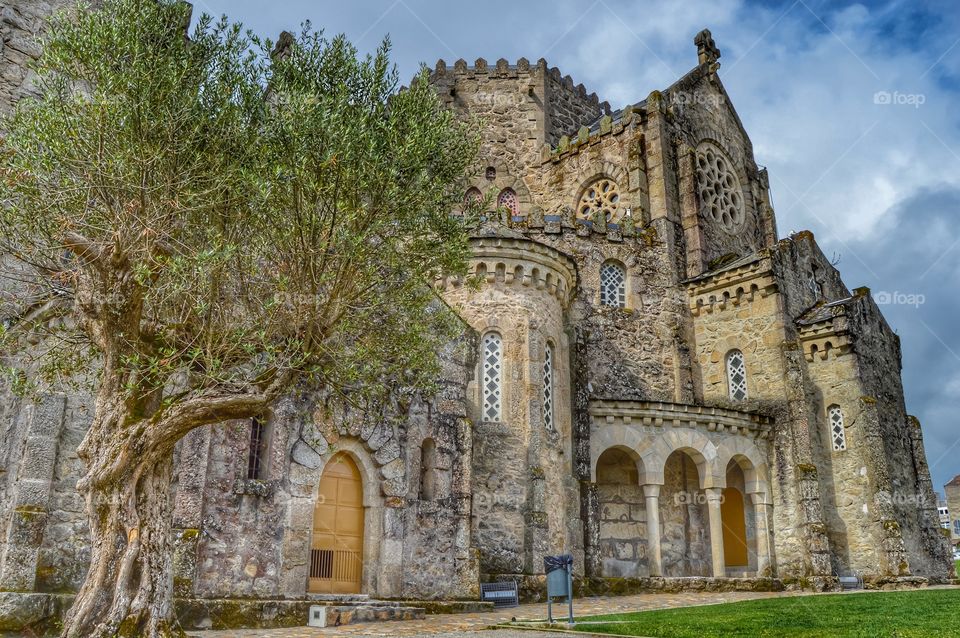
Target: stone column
x,y
763,534
714,496
651,494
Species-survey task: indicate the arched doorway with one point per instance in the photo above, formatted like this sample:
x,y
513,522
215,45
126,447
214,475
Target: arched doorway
x,y
734,528
336,552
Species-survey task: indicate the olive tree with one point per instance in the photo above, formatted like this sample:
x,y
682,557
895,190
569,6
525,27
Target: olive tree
x,y
203,220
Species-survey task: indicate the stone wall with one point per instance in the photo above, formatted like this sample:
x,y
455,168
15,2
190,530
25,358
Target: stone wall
x,y
622,518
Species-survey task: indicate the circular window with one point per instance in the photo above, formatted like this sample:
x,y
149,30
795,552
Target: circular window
x,y
601,196
719,187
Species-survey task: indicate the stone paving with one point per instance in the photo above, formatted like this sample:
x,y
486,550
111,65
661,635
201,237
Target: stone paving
x,y
455,625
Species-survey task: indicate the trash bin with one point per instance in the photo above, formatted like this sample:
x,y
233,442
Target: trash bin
x,y
559,571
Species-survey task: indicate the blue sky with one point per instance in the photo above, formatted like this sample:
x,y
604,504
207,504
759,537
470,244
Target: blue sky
x,y
849,105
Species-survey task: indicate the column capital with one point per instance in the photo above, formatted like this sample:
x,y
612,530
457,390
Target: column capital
x,y
758,498
651,490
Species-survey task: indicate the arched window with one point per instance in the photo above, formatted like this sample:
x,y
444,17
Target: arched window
x,y
472,197
428,466
548,387
508,199
837,433
737,375
492,371
613,285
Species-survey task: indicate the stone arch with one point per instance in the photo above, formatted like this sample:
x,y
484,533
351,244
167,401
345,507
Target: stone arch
x,y
634,456
588,171
745,453
624,438
369,472
696,445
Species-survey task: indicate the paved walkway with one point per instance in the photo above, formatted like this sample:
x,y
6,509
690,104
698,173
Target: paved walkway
x,y
455,625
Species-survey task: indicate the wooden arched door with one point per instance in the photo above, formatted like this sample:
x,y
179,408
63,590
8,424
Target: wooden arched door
x,y
734,528
336,552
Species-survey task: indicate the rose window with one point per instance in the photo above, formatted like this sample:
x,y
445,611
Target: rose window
x,y
602,196
719,187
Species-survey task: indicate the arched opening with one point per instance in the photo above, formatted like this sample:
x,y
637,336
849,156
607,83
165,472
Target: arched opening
x,y
685,542
336,551
622,524
737,515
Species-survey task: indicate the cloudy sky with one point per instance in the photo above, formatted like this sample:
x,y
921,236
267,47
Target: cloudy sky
x,y
848,105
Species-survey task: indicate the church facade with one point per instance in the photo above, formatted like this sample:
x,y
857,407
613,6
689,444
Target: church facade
x,y
648,378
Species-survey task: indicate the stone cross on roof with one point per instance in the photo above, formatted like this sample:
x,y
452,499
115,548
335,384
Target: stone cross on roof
x,y
707,51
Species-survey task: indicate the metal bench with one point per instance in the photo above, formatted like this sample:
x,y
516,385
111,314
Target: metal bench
x,y
502,595
853,581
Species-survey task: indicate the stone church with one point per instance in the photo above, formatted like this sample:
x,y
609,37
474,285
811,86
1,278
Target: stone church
x,y
649,378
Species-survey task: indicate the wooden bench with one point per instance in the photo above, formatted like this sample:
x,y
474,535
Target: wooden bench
x,y
502,595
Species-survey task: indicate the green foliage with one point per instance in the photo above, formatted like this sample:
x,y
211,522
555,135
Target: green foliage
x,y
213,213
861,615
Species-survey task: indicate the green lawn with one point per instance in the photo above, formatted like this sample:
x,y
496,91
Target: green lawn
x,y
906,614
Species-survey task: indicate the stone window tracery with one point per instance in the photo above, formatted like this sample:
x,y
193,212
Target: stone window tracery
x,y
492,372
613,285
719,187
737,375
601,196
548,387
837,433
473,196
508,199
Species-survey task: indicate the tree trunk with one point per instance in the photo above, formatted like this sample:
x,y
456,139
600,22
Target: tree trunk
x,y
128,590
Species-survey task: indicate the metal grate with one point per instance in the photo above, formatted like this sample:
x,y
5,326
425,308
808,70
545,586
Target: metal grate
x,y
340,565
255,456
737,375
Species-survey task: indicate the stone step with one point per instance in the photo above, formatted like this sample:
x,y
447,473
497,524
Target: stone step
x,y
339,615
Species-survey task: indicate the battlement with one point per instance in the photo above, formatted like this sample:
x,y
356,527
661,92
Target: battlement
x,y
520,69
566,106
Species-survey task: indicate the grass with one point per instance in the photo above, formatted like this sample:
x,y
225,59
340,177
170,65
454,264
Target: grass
x,y
907,614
